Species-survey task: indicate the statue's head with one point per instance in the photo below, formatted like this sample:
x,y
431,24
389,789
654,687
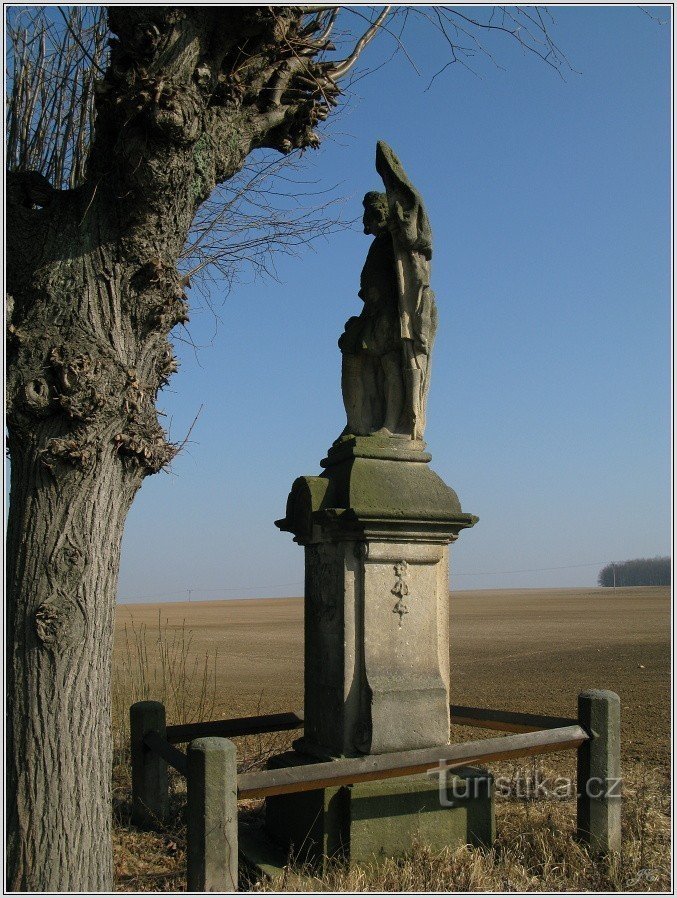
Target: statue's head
x,y
375,219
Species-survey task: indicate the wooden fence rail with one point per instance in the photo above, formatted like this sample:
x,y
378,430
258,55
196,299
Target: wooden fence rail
x,y
504,721
173,756
406,763
235,726
214,785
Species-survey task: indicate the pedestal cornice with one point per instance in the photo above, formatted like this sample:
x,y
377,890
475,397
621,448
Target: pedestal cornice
x,y
374,487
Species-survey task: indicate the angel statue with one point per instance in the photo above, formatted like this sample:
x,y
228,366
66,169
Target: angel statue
x,y
386,348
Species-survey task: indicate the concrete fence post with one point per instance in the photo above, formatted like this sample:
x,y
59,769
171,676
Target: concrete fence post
x,y
599,771
150,784
212,815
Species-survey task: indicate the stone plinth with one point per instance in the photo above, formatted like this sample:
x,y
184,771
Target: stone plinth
x,y
376,526
376,819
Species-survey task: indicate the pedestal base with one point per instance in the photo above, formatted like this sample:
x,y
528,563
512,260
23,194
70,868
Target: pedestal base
x,y
382,818
376,528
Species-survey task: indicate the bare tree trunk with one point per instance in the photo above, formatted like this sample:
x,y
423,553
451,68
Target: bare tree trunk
x,y
63,552
94,292
79,425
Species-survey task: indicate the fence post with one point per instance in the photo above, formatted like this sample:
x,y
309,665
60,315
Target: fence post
x,y
150,784
599,771
212,815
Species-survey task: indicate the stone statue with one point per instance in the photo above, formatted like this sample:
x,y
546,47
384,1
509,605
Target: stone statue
x,y
386,349
375,527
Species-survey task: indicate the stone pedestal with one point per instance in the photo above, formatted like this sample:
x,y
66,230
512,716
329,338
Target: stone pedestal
x,y
375,819
376,526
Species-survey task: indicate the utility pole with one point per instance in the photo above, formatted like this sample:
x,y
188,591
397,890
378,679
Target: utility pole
x,y
190,592
613,568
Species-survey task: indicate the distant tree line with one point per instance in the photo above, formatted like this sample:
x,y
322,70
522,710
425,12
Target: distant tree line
x,y
638,572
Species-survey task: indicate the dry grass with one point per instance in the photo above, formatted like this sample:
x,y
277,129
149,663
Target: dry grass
x,y
160,663
148,861
534,850
155,663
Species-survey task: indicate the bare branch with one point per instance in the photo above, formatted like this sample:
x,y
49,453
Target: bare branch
x,y
516,25
77,40
51,70
324,35
653,16
338,70
401,46
366,72
267,209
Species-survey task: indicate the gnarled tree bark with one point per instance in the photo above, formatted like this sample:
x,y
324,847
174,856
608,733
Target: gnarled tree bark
x,y
94,292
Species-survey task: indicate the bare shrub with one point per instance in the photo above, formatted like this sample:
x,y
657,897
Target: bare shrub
x,y
157,665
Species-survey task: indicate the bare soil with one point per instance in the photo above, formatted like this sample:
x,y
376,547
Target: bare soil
x,y
530,650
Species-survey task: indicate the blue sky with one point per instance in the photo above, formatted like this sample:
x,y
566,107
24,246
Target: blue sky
x,y
549,409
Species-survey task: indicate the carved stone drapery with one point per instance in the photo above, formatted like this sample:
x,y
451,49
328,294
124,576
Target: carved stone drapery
x,y
386,349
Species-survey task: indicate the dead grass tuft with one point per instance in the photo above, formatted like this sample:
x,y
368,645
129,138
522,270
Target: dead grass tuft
x,y
160,664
